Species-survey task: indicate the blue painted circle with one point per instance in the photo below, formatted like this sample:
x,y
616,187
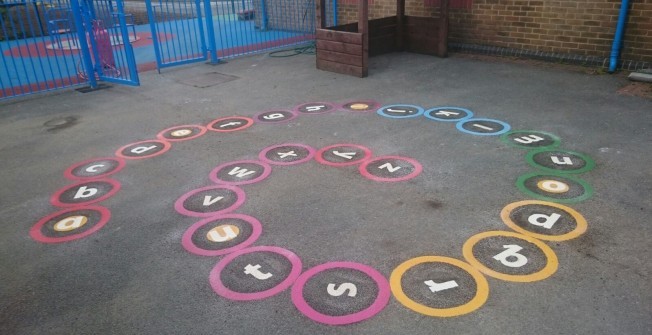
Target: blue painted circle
x,y
469,114
460,127
381,111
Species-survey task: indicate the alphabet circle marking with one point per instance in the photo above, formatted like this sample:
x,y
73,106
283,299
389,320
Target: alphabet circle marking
x,y
400,111
95,168
236,243
90,191
545,271
560,161
483,127
250,171
219,287
552,187
315,108
181,133
235,198
340,154
531,139
96,216
287,154
481,287
230,124
448,114
382,297
361,106
383,168
511,217
135,150
275,116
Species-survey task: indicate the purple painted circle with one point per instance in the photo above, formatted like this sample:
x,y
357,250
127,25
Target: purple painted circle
x,y
330,107
56,201
219,288
377,306
37,235
267,170
319,155
69,171
201,130
263,154
187,243
417,169
292,116
178,205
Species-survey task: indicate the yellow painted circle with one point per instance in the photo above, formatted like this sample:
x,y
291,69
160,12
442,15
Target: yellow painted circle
x,y
580,228
359,106
70,223
181,132
481,295
552,262
220,231
553,186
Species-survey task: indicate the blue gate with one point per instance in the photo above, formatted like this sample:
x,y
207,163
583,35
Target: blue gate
x,y
54,44
198,30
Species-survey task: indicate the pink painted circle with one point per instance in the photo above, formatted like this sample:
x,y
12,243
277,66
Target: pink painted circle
x,y
57,200
263,154
70,172
415,172
201,130
165,146
188,244
240,199
319,156
378,305
215,174
37,234
219,288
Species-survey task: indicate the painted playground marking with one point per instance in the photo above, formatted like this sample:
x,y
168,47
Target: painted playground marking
x,y
340,293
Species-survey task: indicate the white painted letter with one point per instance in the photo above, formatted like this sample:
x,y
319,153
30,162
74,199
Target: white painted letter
x,y
286,154
140,150
529,139
436,287
336,292
240,173
389,167
70,223
512,251
84,192
347,155
482,127
253,270
447,113
314,108
208,200
273,116
542,220
232,123
93,168
564,161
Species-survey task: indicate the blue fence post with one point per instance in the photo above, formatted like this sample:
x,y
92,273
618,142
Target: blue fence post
x,y
334,12
153,27
83,45
129,51
211,31
263,8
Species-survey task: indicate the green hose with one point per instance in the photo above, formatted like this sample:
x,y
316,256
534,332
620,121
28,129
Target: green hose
x,y
306,50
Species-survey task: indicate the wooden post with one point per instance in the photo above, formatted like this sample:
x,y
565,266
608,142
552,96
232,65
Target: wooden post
x,y
363,28
400,24
442,47
321,14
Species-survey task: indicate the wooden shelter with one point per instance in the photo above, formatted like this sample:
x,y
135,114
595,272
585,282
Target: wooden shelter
x,y
346,48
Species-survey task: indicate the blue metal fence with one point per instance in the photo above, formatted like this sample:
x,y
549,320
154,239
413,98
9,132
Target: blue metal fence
x,y
51,44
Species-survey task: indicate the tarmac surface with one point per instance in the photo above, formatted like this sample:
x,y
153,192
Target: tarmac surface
x,y
200,242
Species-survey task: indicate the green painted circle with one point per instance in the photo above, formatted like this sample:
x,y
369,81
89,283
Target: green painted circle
x,y
589,162
520,184
505,138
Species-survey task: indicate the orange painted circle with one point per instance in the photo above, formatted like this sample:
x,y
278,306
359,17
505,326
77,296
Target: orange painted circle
x,y
548,270
580,221
481,295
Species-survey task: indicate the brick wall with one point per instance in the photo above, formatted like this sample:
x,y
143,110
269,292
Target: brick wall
x,y
583,28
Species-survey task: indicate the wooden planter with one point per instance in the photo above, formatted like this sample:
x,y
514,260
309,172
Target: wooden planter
x,y
346,48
